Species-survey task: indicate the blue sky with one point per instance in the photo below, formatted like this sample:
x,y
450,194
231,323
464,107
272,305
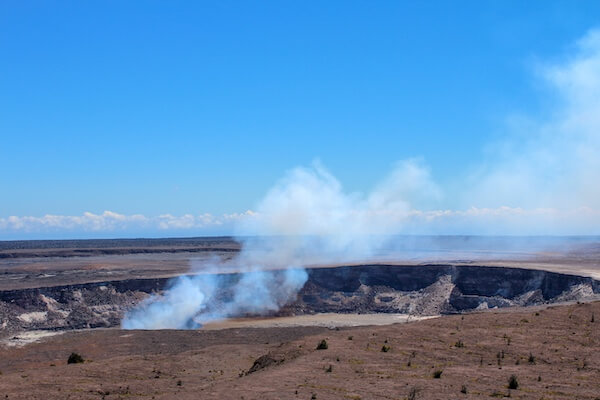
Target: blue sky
x,y
156,108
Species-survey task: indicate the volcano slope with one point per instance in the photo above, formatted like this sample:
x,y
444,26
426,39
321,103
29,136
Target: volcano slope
x,y
551,351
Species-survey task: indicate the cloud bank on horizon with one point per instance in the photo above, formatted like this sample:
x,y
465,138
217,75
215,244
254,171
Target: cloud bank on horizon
x,y
541,178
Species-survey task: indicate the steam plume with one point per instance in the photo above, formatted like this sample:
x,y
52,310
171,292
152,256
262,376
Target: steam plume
x,y
551,166
306,218
542,178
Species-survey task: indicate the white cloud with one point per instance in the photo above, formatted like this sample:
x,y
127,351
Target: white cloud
x,y
344,223
110,221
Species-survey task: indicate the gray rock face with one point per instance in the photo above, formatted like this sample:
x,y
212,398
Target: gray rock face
x,y
435,289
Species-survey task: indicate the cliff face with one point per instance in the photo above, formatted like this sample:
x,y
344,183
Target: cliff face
x,y
435,289
418,290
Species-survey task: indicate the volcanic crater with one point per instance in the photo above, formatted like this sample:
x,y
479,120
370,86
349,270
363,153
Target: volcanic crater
x,y
418,290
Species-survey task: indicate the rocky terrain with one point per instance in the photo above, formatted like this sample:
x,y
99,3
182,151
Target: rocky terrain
x,y
435,289
423,290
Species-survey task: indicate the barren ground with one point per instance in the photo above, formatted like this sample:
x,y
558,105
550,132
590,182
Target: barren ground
x,y
553,352
327,320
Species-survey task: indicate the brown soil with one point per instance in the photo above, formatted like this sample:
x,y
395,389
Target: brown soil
x,y
553,352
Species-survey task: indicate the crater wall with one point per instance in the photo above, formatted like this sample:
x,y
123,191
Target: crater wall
x,y
419,290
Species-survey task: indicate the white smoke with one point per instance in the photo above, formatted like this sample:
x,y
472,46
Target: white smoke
x,y
552,163
174,309
306,218
543,178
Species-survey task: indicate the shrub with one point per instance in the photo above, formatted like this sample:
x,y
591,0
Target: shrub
x,y
513,383
322,345
385,348
75,358
459,344
463,389
531,359
329,369
412,395
410,358
437,374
